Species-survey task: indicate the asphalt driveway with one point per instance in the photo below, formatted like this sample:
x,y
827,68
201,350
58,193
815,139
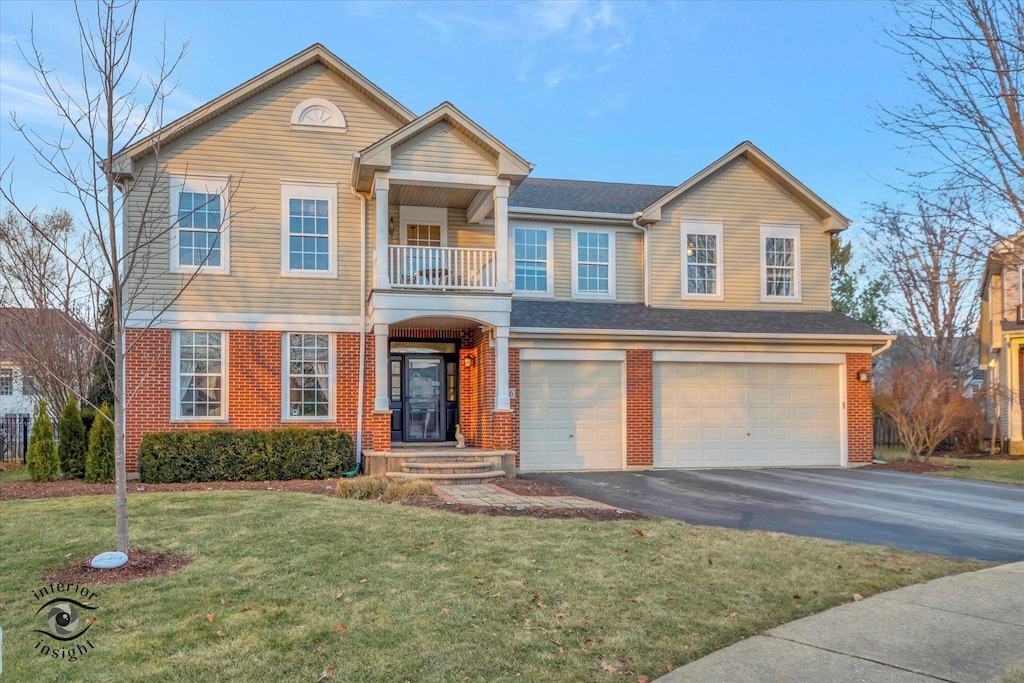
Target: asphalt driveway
x,y
916,512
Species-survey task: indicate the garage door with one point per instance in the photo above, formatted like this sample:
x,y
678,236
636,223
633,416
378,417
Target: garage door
x,y
746,415
570,415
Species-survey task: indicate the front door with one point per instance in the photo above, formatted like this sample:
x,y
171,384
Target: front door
x,y
423,410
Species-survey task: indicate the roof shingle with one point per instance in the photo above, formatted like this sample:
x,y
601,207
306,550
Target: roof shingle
x,y
585,195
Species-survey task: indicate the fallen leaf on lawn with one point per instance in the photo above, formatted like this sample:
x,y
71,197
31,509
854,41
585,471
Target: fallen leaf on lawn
x,y
342,627
857,597
328,673
247,609
634,600
209,618
559,616
872,565
220,634
610,668
637,533
535,597
642,679
922,581
339,596
556,641
91,620
839,566
796,596
222,601
118,629
318,649
362,580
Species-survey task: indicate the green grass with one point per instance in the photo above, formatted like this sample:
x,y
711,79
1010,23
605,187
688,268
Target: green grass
x,y
20,474
1001,471
424,595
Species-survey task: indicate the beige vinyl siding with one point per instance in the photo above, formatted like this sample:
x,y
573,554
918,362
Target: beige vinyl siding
x,y
441,150
628,261
257,148
742,198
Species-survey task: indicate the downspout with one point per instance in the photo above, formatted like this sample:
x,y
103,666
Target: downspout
x,y
362,333
647,256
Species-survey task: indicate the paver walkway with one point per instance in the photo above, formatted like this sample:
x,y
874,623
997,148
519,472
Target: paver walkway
x,y
489,494
967,628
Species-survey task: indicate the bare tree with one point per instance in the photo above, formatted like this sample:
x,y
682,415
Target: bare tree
x,y
104,110
967,61
931,258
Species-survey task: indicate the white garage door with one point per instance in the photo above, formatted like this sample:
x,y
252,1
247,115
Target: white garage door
x,y
570,415
746,415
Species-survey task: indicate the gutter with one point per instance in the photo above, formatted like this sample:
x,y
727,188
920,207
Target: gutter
x,y
647,256
362,332
884,347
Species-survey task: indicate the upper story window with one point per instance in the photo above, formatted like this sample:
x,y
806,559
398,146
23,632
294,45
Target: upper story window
x,y
309,230
702,260
199,224
6,382
780,262
423,226
532,255
593,264
318,113
199,375
309,377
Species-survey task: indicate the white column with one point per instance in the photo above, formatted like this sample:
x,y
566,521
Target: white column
x,y
381,383
501,401
380,253
501,241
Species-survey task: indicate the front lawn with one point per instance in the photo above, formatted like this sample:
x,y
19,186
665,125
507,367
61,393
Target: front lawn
x,y
984,469
285,585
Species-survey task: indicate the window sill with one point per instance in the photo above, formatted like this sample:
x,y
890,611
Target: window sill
x,y
310,274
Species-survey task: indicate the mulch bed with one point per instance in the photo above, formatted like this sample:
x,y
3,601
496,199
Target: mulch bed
x,y
141,564
23,490
593,514
525,487
914,467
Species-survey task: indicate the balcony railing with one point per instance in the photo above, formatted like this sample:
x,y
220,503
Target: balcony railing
x,y
441,268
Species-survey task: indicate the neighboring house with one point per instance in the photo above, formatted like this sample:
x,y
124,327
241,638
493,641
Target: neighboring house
x,y
1001,337
18,390
348,248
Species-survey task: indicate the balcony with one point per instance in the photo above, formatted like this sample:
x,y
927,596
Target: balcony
x,y
441,268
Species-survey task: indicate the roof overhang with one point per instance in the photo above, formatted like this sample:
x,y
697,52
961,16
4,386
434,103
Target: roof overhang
x,y
126,160
832,220
378,156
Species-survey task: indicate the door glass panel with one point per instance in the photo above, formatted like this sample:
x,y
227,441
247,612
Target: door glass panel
x,y
422,347
396,380
451,381
424,391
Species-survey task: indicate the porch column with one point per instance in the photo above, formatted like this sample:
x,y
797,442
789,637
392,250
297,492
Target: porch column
x,y
501,401
380,254
381,385
500,193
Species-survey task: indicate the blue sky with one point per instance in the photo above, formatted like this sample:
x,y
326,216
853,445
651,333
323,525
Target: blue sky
x,y
628,92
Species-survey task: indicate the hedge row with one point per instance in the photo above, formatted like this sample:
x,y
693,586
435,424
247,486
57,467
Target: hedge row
x,y
244,455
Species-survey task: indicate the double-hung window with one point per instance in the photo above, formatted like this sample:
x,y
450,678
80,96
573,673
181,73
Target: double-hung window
x,y
309,376
6,381
309,230
199,377
199,224
702,259
593,264
532,252
780,262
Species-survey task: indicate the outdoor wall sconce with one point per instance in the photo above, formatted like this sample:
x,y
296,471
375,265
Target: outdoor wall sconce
x,y
468,362
864,376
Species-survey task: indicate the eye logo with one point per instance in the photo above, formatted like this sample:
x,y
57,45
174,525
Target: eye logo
x,y
64,620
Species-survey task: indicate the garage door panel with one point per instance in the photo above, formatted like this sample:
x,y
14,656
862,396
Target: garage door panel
x,y
757,414
571,415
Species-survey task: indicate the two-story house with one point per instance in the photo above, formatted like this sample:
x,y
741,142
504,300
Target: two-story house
x,y
394,275
1001,339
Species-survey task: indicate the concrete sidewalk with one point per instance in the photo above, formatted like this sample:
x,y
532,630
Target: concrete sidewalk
x,y
968,627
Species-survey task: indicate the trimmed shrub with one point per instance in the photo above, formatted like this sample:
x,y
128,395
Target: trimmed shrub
x,y
244,455
99,460
73,443
42,460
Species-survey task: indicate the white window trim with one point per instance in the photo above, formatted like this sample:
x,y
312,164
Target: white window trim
x,y
550,266
176,415
206,185
786,231
339,123
329,192
1020,285
698,227
427,215
576,294
332,380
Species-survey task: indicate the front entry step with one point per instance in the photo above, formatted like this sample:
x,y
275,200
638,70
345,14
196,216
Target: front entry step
x,y
451,472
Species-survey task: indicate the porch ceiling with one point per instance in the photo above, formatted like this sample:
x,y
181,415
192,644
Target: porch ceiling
x,y
422,195
436,323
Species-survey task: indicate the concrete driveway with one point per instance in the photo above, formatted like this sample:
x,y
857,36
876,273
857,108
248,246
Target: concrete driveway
x,y
916,512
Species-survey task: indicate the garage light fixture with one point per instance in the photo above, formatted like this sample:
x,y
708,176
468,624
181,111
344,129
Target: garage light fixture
x,y
864,376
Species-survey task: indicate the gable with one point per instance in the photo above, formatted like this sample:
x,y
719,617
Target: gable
x,y
442,149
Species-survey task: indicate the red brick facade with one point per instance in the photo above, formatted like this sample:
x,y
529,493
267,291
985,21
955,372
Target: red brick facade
x,y
859,432
255,393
